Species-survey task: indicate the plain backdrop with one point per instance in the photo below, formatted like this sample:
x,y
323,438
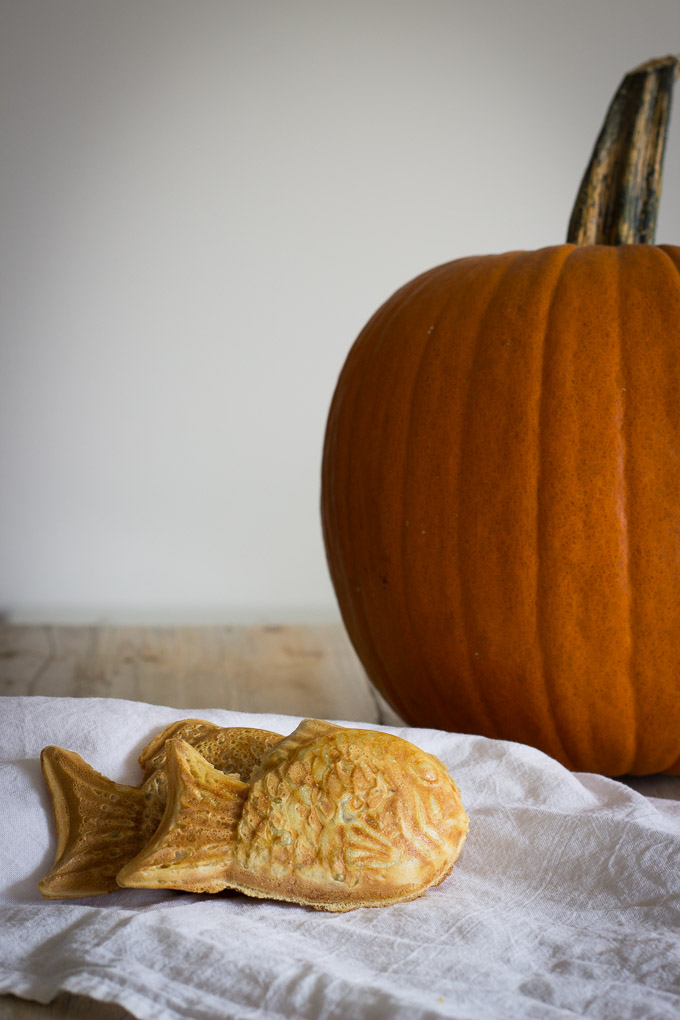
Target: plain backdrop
x,y
201,203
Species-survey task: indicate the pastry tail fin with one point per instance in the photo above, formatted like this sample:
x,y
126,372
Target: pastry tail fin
x,y
192,848
97,823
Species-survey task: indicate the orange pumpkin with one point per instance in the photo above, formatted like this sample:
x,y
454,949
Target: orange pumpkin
x,y
501,479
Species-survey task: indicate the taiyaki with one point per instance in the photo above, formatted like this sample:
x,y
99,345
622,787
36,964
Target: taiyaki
x,y
332,817
101,824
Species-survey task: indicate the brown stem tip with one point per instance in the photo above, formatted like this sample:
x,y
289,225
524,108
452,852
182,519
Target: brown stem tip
x,y
618,200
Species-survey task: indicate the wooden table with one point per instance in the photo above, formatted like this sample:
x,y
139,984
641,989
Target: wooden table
x,y
296,670
301,670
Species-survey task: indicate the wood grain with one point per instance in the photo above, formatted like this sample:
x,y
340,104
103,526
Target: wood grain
x,y
64,1006
301,670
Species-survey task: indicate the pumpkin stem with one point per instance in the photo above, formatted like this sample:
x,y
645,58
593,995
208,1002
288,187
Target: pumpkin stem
x,y
619,195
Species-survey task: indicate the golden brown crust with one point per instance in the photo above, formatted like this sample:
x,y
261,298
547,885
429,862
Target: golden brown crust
x,y
191,730
333,818
192,842
98,825
236,750
101,824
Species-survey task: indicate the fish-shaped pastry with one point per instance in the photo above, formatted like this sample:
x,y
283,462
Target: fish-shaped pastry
x,y
332,817
101,824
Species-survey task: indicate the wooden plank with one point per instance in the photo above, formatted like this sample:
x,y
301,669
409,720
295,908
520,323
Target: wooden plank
x,y
302,670
44,660
64,1007
293,670
297,670
663,787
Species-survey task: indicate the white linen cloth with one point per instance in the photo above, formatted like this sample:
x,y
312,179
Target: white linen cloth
x,y
565,901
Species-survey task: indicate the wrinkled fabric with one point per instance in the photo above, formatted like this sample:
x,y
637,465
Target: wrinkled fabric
x,y
565,901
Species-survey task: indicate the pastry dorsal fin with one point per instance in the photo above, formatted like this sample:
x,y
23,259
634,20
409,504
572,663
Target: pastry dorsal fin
x,y
308,730
192,730
305,733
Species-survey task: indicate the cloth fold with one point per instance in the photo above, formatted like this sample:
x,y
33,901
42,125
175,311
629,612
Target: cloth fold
x,y
565,901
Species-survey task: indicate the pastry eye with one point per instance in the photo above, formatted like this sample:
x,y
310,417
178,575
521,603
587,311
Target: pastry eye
x,y
351,806
427,774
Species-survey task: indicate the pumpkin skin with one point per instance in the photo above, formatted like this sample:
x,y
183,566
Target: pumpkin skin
x,y
501,502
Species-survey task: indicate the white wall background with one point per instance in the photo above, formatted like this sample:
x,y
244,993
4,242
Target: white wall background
x,y
201,203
